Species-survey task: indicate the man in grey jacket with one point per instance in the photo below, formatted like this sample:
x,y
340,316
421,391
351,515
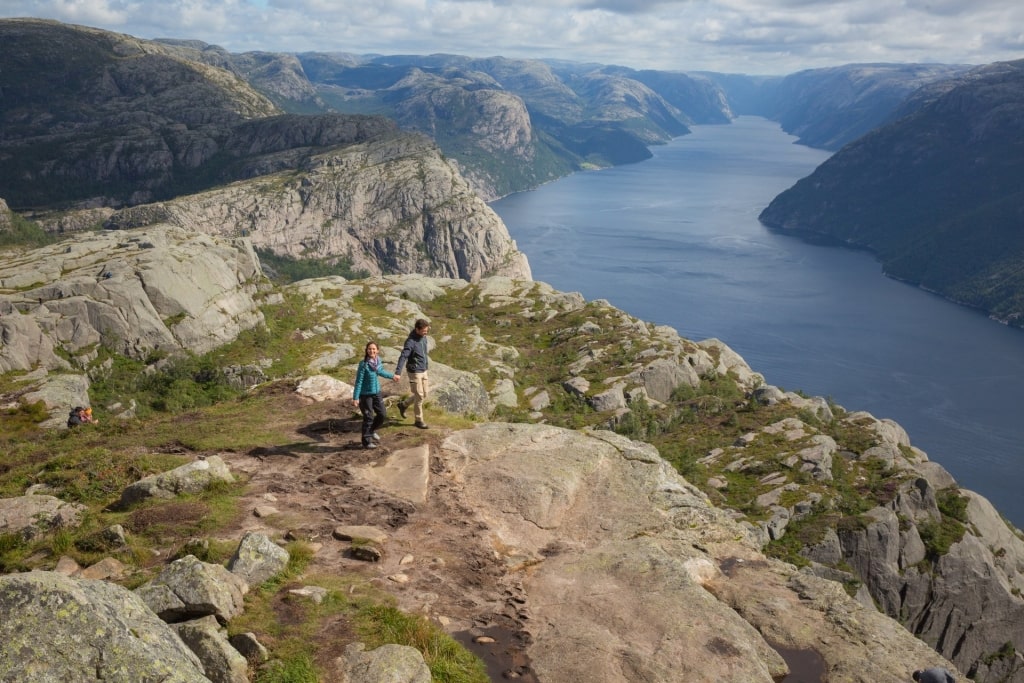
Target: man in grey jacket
x,y
414,358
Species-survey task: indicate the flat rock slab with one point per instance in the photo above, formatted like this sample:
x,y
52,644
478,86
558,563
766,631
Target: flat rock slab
x,y
404,474
354,533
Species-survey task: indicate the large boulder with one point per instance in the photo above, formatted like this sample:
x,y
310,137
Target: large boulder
x,y
57,629
194,477
257,558
29,516
457,391
385,664
189,588
208,640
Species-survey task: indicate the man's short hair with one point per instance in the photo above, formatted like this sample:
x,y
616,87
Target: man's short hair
x,y
422,323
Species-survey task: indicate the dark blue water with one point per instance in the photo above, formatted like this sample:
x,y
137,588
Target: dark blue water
x,y
675,240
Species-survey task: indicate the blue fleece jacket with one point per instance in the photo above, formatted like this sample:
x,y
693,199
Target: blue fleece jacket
x,y
366,379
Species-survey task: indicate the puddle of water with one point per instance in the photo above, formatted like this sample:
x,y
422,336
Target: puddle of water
x,y
805,666
501,657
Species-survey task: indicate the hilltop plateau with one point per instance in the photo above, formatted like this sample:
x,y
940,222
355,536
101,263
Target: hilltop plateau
x,y
579,462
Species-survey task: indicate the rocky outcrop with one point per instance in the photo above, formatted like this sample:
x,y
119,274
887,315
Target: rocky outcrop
x,y
162,288
387,206
156,291
61,629
668,362
952,576
603,523
583,526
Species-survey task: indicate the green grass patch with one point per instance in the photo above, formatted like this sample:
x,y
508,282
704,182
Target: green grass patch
x,y
304,636
285,269
25,233
448,661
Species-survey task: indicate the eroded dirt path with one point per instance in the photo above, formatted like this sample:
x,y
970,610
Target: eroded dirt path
x,y
438,560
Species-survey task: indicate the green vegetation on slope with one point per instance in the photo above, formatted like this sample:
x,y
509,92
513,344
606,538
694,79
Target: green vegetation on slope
x,y
185,405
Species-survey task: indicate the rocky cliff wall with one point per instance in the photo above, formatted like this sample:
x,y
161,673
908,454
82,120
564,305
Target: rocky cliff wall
x,y
390,205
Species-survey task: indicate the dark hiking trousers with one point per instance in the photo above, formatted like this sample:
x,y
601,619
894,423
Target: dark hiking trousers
x,y
372,408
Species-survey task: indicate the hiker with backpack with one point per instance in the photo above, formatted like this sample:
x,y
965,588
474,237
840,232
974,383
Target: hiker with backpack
x,y
366,394
80,415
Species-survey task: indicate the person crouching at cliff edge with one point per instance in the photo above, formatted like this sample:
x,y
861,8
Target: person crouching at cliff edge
x,y
366,393
934,675
414,358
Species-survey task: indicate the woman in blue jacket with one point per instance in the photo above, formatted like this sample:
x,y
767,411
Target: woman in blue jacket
x,y
366,394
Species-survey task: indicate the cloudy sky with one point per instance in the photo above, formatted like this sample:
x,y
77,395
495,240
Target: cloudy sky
x,y
734,36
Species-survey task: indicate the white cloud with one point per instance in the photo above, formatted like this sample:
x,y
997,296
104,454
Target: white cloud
x,y
752,36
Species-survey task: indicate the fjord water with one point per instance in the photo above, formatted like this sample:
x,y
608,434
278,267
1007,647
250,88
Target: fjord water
x,y
675,240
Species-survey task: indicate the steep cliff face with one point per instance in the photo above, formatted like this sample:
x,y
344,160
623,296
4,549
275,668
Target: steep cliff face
x,y
392,205
935,195
483,126
937,558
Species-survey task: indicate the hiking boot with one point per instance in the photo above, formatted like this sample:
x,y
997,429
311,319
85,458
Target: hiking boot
x,y
401,409
375,436
422,425
370,445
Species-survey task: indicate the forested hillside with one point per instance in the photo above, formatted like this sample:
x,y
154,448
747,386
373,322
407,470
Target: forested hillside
x,y
936,195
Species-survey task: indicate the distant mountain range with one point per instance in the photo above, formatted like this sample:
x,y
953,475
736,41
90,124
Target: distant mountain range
x,y
927,176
